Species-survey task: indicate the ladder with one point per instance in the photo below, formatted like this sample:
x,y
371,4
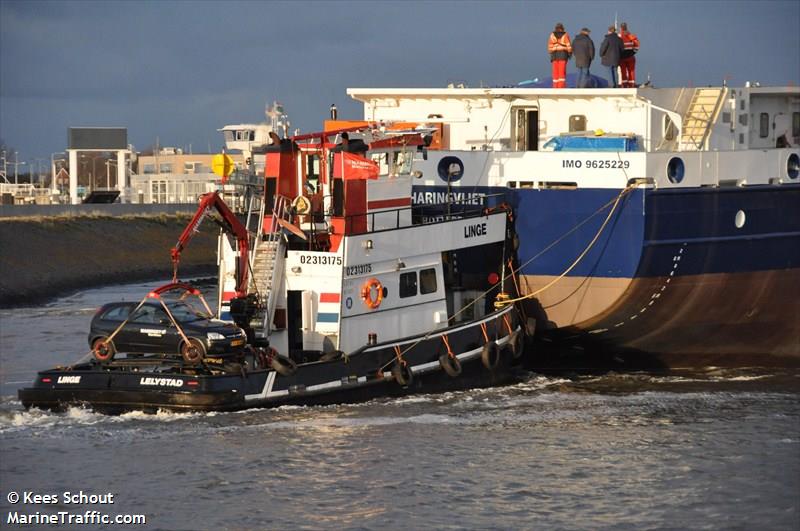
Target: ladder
x,y
268,259
700,116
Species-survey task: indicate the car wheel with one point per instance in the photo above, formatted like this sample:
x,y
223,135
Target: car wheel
x,y
193,352
103,350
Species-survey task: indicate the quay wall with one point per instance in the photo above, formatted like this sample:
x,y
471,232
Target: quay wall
x,y
45,256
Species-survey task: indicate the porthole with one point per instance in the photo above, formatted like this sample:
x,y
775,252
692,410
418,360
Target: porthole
x,y
675,170
450,169
740,219
793,166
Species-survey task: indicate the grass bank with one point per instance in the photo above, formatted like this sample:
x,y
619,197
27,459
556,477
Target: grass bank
x,y
41,257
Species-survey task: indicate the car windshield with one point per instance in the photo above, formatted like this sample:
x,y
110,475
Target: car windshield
x,y
184,312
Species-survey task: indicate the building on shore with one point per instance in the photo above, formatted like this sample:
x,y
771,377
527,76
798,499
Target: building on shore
x,y
172,176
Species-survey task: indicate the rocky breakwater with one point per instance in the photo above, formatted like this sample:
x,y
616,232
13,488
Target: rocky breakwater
x,y
41,257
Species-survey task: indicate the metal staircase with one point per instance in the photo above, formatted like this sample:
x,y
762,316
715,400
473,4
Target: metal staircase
x,y
700,115
268,259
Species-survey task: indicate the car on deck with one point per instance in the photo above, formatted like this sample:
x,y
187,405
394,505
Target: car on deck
x,y
149,329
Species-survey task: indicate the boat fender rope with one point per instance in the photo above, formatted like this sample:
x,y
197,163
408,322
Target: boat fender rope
x,y
508,325
485,334
447,345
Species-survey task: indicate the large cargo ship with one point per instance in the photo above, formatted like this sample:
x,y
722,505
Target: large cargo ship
x,y
661,222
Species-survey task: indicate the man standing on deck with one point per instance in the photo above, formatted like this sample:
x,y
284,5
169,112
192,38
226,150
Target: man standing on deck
x,y
560,49
627,64
611,52
583,48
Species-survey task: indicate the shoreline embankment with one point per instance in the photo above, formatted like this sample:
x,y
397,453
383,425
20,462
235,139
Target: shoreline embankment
x,y
43,257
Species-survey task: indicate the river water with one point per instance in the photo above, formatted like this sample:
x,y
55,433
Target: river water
x,y
715,449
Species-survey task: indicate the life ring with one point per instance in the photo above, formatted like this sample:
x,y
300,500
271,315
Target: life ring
x,y
450,364
490,355
372,286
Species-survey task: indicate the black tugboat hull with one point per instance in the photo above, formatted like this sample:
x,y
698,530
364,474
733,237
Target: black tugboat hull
x,y
363,375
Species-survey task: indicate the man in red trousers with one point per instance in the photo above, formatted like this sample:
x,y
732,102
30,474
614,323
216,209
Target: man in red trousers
x,y
627,63
560,49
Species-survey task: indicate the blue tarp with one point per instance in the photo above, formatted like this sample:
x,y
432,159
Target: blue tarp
x,y
585,142
572,79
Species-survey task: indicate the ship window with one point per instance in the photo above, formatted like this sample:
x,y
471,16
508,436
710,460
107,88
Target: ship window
x,y
741,105
726,117
228,136
165,168
427,281
381,160
408,284
149,169
670,131
402,163
577,122
796,124
763,125
675,170
793,166
743,119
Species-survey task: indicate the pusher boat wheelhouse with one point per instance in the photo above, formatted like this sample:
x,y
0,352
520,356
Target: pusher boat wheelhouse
x,y
344,293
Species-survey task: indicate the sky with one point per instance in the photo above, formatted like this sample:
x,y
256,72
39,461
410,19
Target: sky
x,y
177,71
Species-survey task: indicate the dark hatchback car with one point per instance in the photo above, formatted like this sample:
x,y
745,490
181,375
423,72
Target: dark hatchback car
x,y
150,330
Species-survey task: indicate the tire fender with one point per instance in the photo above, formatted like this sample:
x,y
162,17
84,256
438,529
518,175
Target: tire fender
x,y
490,355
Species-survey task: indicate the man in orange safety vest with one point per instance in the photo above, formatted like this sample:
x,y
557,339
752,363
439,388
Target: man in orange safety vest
x,y
627,63
560,49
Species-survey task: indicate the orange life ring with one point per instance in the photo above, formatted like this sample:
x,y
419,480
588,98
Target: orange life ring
x,y
372,285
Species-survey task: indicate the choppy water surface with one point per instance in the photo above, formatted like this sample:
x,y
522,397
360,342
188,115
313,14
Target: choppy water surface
x,y
718,449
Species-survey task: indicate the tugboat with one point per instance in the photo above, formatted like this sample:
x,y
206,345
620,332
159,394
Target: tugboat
x,y
343,292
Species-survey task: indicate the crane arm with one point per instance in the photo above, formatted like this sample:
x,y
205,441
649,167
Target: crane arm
x,y
231,225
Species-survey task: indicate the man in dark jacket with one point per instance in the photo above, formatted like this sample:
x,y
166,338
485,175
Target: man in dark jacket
x,y
611,52
583,50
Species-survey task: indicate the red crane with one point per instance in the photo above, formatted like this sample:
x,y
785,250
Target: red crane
x,y
230,224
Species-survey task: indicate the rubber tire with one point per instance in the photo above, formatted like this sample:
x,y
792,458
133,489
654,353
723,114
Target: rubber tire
x,y
193,352
450,365
110,347
490,355
332,355
402,374
516,344
283,365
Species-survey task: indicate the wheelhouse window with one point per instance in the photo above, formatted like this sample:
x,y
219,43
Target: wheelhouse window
x,y
408,284
165,167
401,165
382,160
427,281
763,125
149,169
